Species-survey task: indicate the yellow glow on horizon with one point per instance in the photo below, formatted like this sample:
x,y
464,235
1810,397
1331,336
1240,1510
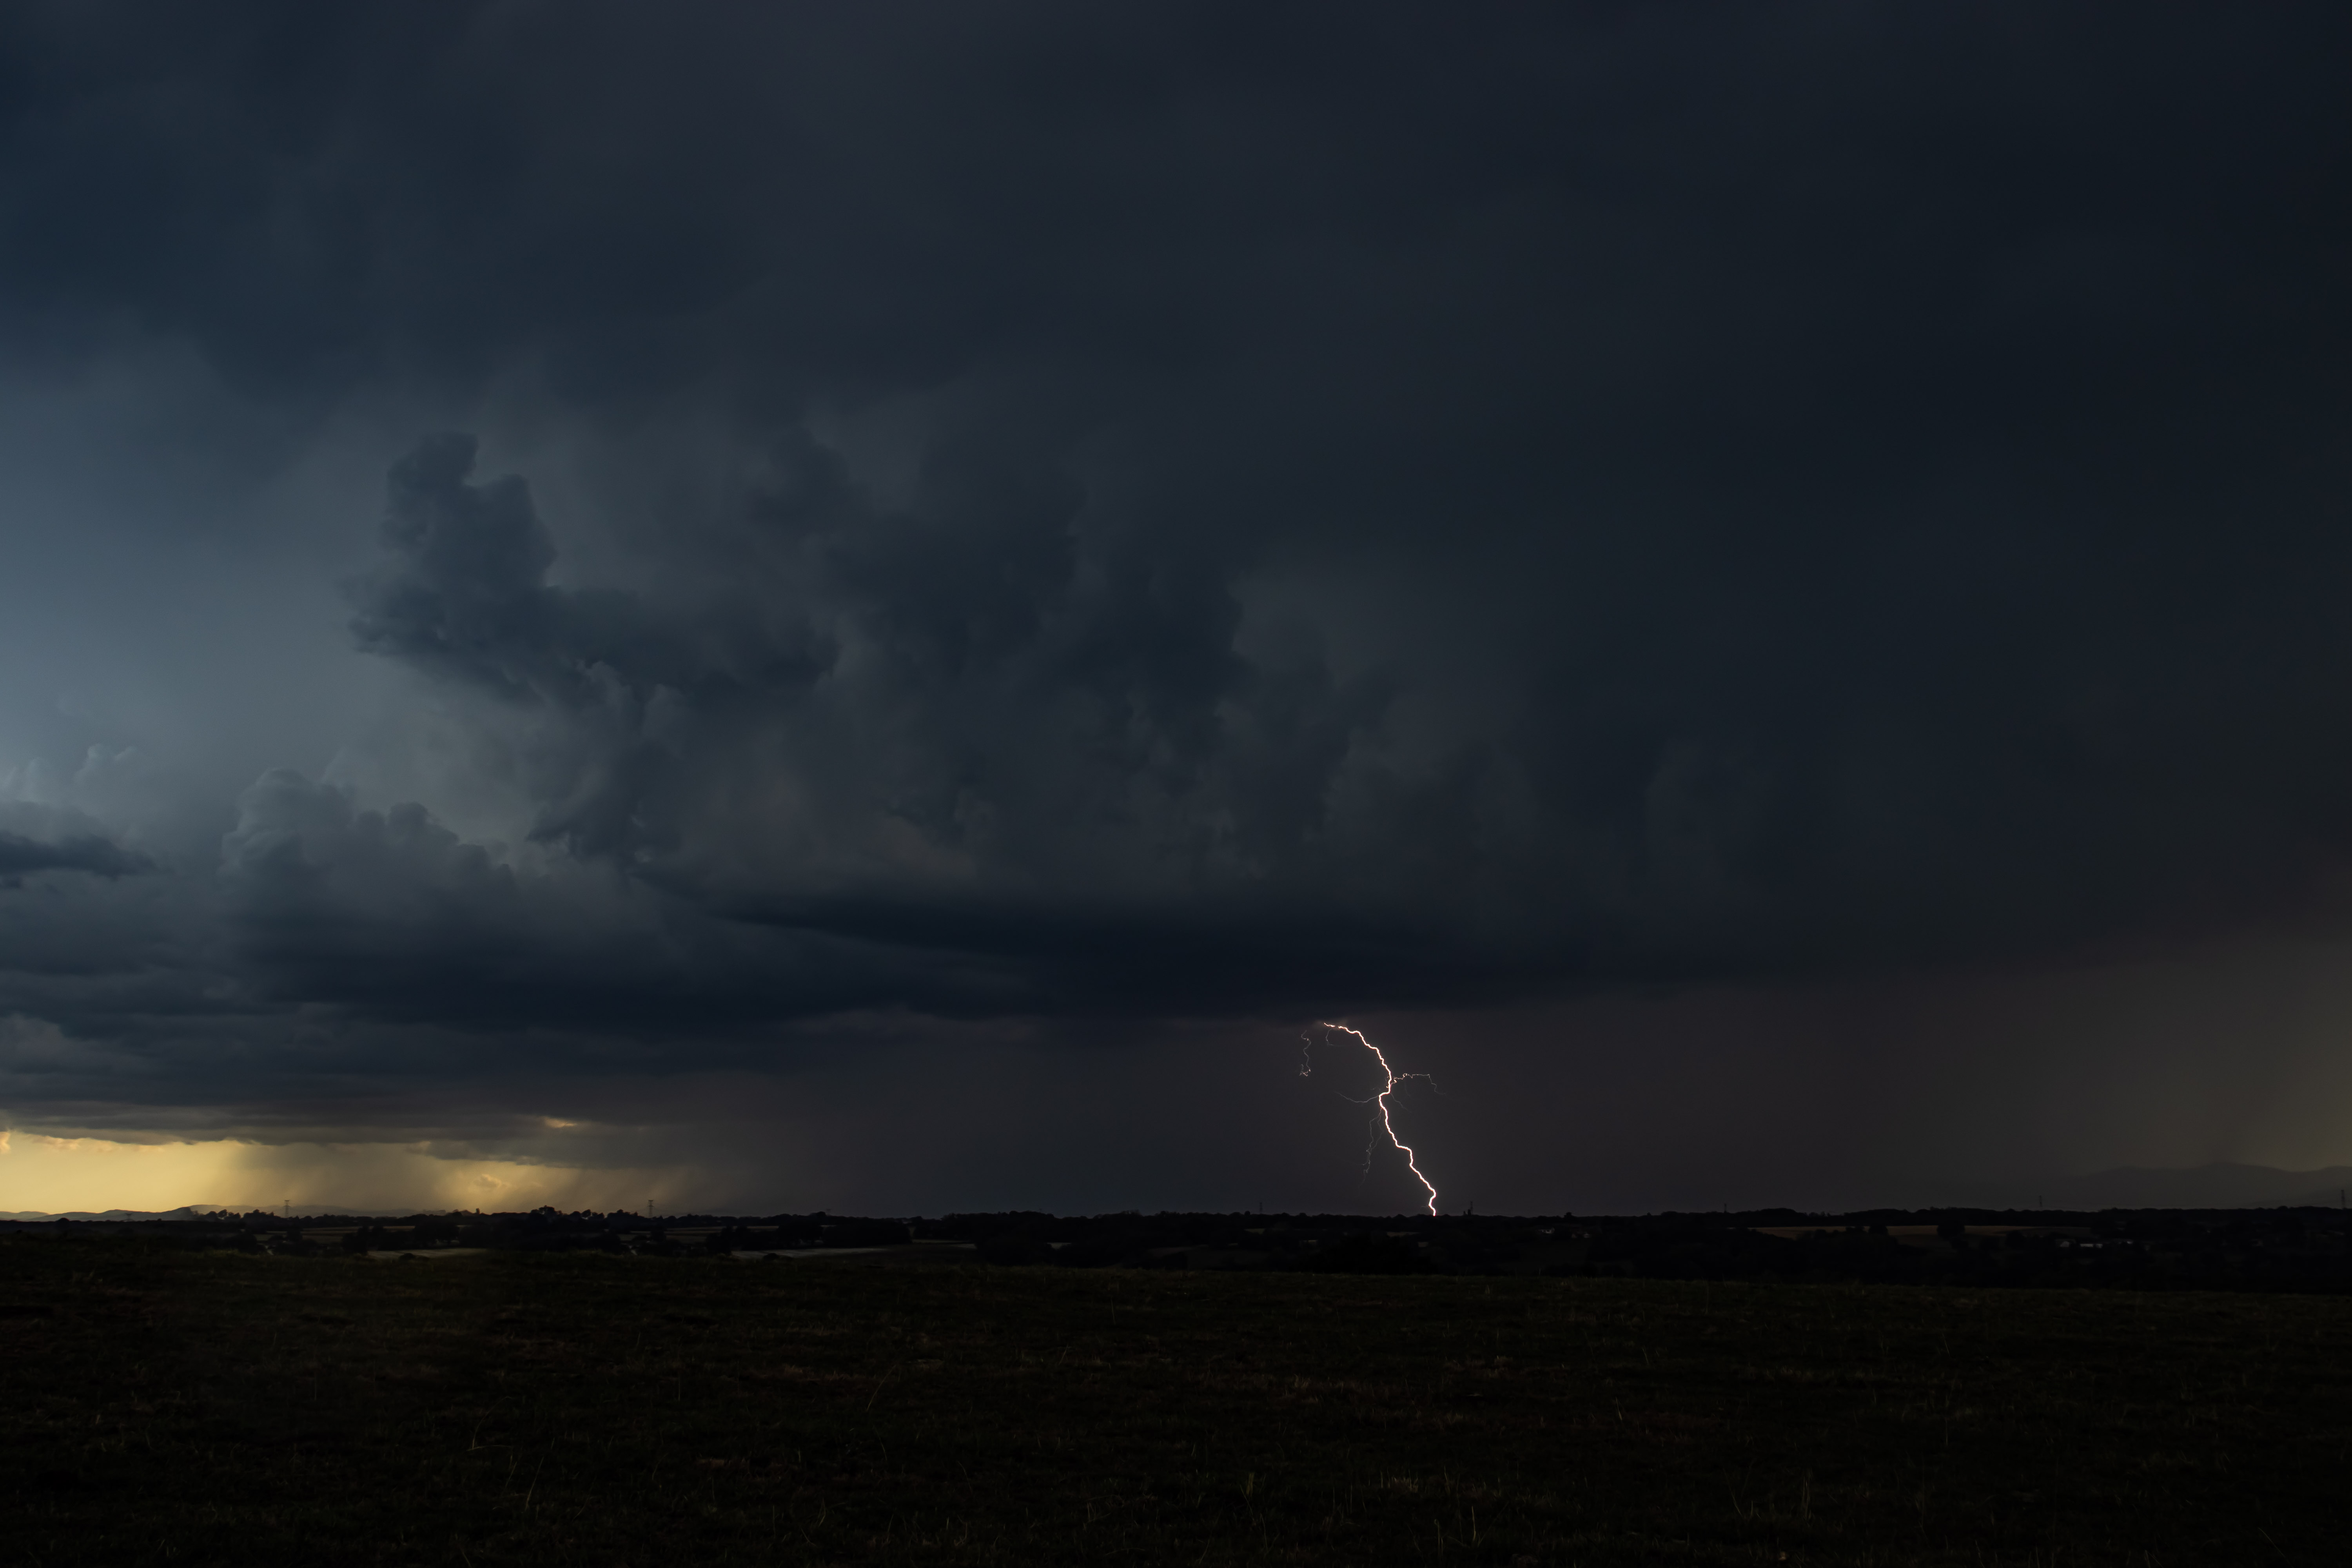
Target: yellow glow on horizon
x,y
60,1175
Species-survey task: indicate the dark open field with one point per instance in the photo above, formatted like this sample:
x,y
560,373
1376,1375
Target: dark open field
x,y
206,1407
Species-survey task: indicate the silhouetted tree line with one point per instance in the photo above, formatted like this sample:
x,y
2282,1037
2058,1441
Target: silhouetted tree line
x,y
2262,1249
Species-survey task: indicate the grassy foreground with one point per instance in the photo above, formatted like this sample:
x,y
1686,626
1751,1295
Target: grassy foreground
x,y
193,1408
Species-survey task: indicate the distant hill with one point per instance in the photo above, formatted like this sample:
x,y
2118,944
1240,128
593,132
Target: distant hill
x,y
2221,1186
2215,1186
186,1211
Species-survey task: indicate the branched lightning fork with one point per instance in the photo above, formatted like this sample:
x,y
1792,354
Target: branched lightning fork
x,y
1380,1122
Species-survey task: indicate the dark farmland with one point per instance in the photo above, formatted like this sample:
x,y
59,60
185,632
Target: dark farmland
x,y
184,1404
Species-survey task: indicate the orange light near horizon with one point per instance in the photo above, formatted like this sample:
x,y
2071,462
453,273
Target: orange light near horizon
x,y
47,1174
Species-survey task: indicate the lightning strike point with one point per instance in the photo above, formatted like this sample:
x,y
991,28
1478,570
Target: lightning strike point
x,y
1381,1122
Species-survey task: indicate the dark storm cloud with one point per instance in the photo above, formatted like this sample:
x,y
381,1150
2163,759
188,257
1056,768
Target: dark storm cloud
x,y
389,913
98,855
1204,510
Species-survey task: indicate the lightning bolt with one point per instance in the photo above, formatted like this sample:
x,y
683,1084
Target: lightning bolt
x,y
1381,1122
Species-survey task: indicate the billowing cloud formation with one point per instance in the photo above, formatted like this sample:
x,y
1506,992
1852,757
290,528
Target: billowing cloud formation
x,y
1077,520
91,852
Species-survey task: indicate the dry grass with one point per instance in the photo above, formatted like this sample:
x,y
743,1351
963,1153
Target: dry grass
x,y
505,1409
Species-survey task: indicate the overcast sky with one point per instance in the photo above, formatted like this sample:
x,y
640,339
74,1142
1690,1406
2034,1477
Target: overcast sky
x,y
880,607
